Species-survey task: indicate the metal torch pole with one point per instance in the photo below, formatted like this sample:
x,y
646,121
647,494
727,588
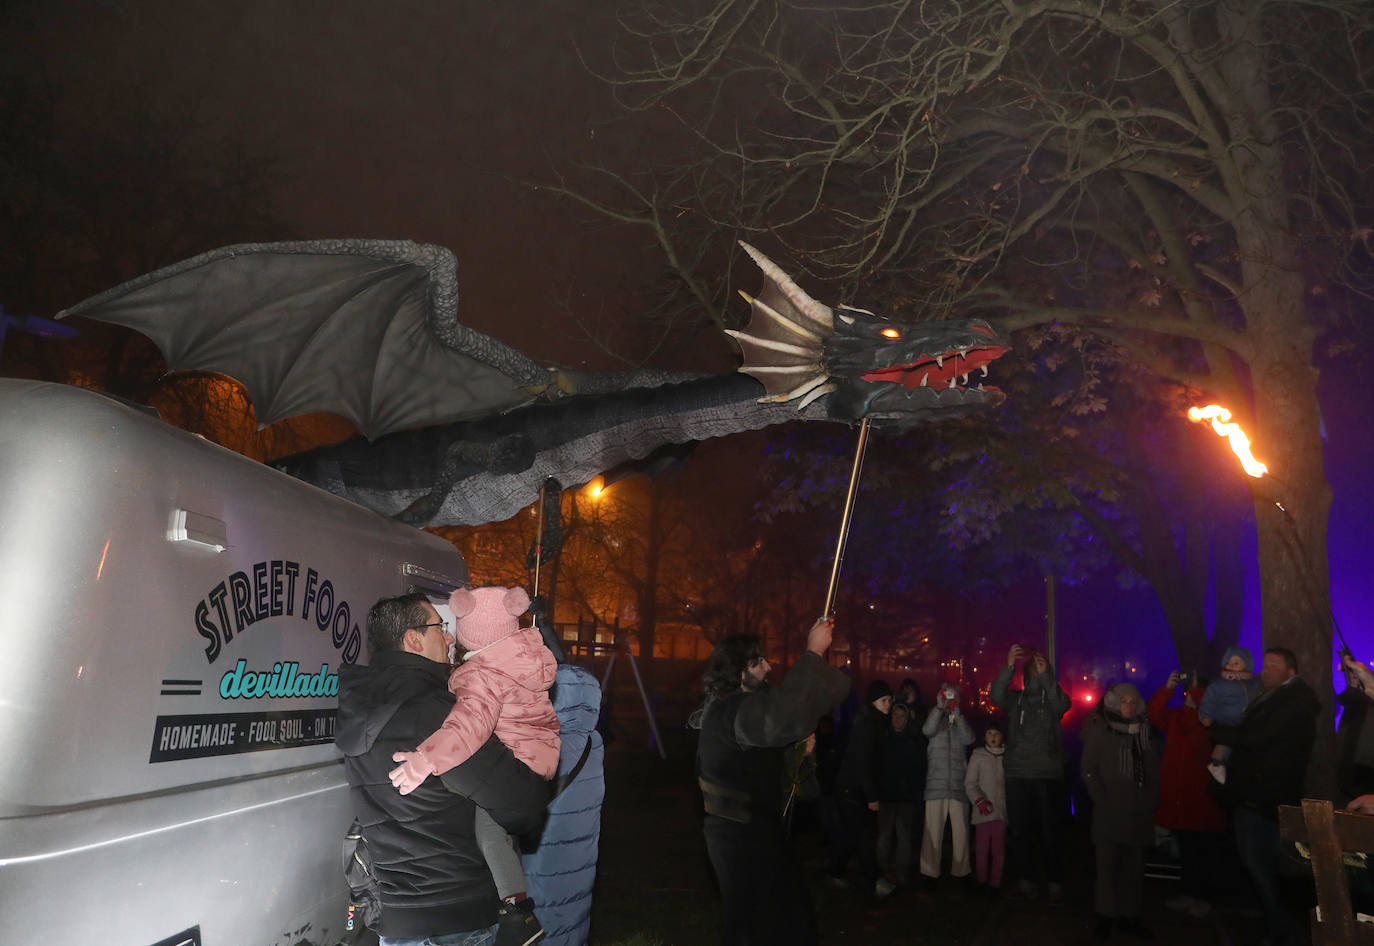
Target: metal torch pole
x,y
847,517
539,539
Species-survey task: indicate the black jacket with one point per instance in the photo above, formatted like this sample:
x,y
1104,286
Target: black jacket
x,y
432,875
1270,748
1355,759
858,778
740,758
902,772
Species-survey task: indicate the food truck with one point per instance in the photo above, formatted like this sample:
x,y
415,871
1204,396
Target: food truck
x,y
173,617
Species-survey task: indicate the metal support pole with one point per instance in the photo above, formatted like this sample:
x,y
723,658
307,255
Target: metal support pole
x,y
539,540
1050,619
847,517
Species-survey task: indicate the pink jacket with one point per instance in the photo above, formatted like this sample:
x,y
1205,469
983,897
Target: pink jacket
x,y
502,688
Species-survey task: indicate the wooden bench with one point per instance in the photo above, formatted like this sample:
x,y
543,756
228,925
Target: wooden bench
x,y
1329,834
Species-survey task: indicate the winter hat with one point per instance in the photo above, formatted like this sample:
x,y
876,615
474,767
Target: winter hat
x,y
1241,652
877,689
1111,700
948,693
487,615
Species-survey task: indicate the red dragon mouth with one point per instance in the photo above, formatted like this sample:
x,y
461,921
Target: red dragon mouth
x,y
950,370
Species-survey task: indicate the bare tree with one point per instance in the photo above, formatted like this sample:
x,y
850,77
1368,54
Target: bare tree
x,y
1178,177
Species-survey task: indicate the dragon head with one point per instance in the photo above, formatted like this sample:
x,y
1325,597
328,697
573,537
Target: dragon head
x,y
897,374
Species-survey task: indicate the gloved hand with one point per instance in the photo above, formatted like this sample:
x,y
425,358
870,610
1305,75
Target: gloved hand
x,y
984,806
413,770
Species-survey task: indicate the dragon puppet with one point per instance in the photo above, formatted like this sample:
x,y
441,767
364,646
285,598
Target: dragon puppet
x,y
459,428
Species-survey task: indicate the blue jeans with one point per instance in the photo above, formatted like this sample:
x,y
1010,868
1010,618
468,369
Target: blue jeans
x,y
474,938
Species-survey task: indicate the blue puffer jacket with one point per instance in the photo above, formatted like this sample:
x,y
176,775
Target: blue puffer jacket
x,y
559,874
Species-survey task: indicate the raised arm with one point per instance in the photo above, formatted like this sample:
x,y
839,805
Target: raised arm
x,y
788,712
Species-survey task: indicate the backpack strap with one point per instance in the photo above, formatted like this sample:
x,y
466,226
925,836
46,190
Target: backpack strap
x,y
571,775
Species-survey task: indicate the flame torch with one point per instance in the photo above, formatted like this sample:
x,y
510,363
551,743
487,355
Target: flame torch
x,y
1220,418
1240,444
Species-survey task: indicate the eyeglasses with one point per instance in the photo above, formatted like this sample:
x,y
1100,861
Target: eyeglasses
x,y
443,624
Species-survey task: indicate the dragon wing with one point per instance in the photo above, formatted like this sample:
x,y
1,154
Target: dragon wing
x,y
783,342
345,326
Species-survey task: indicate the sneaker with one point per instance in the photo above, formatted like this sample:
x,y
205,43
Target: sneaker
x,y
1182,903
883,888
1022,890
516,924
1217,771
1200,910
836,881
1056,894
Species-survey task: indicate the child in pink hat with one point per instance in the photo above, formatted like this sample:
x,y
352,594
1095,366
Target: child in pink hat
x,y
502,687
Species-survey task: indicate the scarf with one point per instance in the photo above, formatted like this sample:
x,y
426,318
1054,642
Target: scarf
x,y
1130,756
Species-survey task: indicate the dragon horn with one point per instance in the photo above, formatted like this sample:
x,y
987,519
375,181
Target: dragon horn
x,y
818,312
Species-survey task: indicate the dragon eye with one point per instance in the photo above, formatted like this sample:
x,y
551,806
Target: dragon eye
x,y
891,333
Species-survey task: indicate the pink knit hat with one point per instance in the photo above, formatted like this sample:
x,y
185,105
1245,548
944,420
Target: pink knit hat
x,y
485,615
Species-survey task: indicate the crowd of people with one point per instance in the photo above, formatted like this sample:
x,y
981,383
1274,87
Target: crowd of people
x,y
451,765
1211,761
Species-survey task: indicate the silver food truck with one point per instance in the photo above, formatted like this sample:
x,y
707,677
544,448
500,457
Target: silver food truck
x,y
173,617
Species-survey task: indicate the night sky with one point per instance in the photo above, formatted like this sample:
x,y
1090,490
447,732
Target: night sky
x,y
428,121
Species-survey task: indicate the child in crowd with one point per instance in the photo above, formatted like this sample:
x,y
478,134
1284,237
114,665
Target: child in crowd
x,y
1226,699
986,788
949,736
502,687
901,783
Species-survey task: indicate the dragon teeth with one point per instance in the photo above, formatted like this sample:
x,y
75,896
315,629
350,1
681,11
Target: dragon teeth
x,y
952,383
939,361
963,378
984,369
924,378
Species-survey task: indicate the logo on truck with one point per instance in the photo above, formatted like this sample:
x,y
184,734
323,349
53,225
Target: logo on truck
x,y
274,588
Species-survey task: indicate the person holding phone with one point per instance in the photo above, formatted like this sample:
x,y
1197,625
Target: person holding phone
x,y
1037,793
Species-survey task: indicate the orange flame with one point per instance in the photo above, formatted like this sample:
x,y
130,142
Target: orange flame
x,y
1240,444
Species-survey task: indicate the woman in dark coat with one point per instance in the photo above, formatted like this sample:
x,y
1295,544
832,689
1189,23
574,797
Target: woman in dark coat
x,y
1120,769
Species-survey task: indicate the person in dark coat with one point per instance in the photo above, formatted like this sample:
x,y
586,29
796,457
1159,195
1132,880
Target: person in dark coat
x,y
902,779
857,793
434,881
747,728
1185,807
1037,796
1355,758
1270,750
1120,768
1355,762
909,695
